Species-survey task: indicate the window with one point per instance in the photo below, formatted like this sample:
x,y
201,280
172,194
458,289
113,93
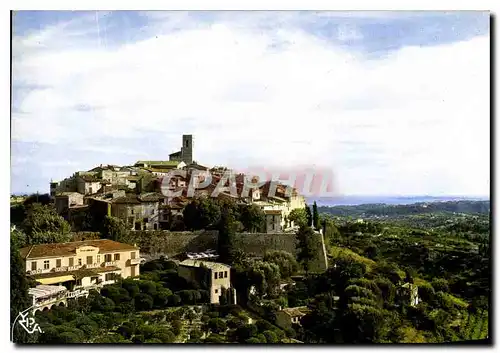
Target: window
x,y
146,220
89,260
98,259
155,226
221,274
90,190
107,257
71,261
225,274
46,265
58,263
117,257
132,211
215,275
216,291
78,282
109,276
33,266
79,262
132,255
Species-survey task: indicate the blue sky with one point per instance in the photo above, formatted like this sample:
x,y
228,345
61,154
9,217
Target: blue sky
x,y
392,102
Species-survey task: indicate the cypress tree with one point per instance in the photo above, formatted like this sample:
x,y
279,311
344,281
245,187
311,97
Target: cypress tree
x,y
226,237
309,216
315,216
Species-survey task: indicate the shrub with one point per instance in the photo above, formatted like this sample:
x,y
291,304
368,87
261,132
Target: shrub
x,y
214,338
263,325
153,340
270,336
196,334
440,285
174,300
165,335
213,314
246,331
126,330
252,340
217,325
147,331
143,302
290,332
235,322
279,334
261,338
176,327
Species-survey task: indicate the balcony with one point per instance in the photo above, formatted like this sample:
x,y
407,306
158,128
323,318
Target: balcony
x,y
136,261
77,293
74,268
110,263
96,265
36,272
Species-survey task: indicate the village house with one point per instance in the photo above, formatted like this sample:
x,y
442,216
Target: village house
x,y
81,265
285,318
409,292
213,276
141,212
66,200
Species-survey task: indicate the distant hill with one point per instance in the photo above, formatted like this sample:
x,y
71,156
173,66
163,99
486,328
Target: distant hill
x,y
389,200
371,210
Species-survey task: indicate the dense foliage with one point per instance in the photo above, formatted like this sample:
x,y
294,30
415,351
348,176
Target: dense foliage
x,y
365,295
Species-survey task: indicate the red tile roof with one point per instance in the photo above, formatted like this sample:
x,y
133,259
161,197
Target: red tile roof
x,y
69,249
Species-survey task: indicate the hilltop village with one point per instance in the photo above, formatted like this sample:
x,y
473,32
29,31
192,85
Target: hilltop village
x,y
138,194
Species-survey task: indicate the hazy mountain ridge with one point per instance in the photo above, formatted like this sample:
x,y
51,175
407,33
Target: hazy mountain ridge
x,y
388,200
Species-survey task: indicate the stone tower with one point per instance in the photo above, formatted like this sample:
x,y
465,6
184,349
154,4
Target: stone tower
x,y
187,149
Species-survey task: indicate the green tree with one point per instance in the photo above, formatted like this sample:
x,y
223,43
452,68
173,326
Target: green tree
x,y
332,234
306,247
265,277
165,335
298,216
226,237
201,213
143,302
43,199
177,327
245,332
115,229
270,336
440,285
252,217
253,340
217,325
309,217
315,216
43,225
286,262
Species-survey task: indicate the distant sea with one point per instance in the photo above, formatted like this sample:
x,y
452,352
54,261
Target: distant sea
x,y
389,200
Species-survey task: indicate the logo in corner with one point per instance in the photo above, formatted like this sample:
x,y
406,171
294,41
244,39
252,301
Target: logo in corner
x,y
27,322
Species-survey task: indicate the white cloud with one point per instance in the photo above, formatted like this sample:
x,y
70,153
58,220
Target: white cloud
x,y
417,120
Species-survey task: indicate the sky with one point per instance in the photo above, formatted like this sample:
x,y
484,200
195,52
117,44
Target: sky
x,y
392,103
